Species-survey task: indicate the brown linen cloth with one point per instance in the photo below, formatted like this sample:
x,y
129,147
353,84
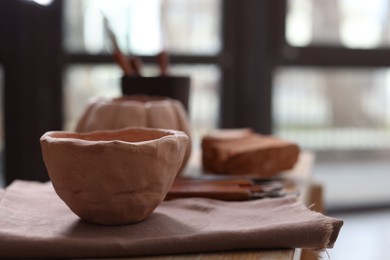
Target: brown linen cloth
x,y
34,222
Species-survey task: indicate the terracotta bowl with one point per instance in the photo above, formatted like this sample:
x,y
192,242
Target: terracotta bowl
x,y
113,177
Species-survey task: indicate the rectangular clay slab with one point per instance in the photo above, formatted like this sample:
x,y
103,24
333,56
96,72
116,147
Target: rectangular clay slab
x,y
242,152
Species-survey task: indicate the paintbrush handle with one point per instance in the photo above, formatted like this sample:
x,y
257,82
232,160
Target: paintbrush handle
x,y
120,58
163,62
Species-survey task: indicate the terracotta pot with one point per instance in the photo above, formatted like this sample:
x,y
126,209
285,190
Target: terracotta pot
x,y
116,176
137,110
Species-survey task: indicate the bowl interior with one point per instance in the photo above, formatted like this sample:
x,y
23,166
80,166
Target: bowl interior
x,y
134,135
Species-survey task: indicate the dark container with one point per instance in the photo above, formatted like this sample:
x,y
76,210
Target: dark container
x,y
175,87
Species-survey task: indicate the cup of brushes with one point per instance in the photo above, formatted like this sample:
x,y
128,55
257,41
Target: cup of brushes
x,y
133,83
164,85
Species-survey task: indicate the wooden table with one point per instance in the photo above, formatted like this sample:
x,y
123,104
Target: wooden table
x,y
300,175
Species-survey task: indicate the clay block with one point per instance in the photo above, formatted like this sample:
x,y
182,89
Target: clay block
x,y
243,152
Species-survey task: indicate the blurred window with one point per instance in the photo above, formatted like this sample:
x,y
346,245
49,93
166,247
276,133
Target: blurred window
x,y
144,27
317,101
333,109
346,23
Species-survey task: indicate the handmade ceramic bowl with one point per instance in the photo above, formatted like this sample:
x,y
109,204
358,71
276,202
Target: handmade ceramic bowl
x,y
113,177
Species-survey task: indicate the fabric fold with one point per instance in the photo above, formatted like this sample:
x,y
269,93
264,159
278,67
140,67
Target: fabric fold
x,y
34,222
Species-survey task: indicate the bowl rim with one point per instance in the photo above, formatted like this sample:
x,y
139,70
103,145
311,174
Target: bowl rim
x,y
139,99
169,134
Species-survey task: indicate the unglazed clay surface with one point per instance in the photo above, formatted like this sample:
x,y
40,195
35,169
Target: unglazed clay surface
x,y
243,152
113,177
138,111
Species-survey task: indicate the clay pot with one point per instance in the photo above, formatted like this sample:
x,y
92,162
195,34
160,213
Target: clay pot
x,y
113,177
137,110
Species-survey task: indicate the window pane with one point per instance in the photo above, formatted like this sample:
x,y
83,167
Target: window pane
x,y
333,109
348,23
190,26
83,82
